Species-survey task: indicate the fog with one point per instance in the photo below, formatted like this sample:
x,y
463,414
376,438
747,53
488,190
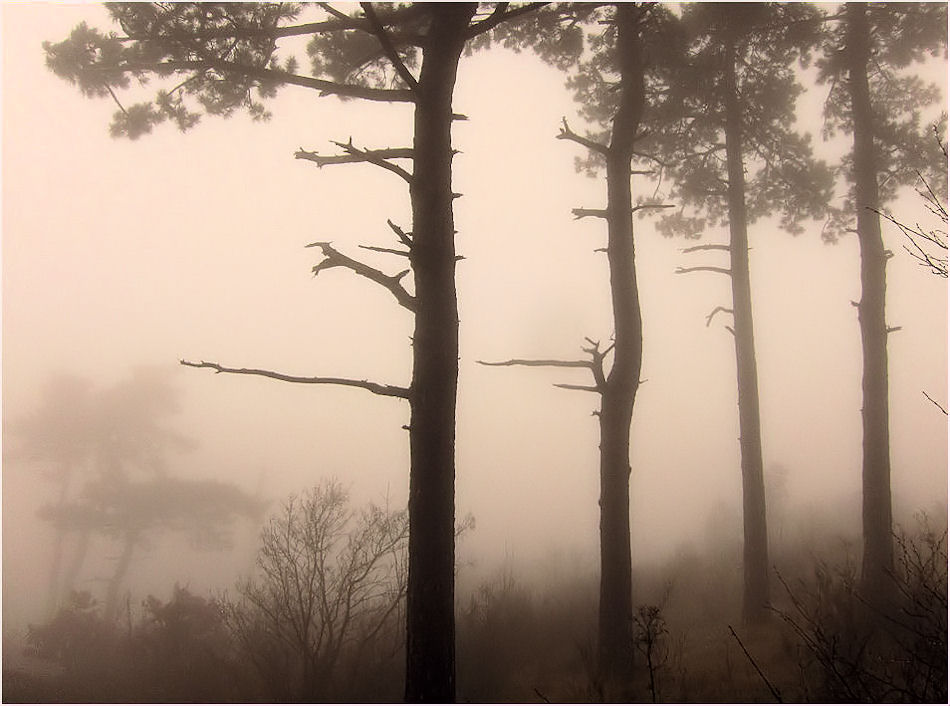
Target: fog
x,y
121,254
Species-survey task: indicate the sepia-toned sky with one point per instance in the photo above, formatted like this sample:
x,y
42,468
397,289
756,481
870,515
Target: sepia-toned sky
x,y
118,254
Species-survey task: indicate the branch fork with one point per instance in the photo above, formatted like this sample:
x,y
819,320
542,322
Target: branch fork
x,y
393,283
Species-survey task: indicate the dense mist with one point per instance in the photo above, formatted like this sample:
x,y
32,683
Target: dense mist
x,y
135,486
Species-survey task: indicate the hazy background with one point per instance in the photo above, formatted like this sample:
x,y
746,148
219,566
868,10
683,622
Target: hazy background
x,y
118,254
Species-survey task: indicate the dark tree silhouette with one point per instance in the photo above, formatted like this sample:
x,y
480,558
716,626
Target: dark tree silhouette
x,y
621,66
733,157
871,98
226,58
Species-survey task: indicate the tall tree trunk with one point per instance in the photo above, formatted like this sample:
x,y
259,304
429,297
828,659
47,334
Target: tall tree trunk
x,y
755,551
430,625
616,645
876,468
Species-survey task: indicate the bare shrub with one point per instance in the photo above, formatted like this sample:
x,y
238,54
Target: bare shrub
x,y
854,651
327,600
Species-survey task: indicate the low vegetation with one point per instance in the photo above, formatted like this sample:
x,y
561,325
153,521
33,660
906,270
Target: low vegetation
x,y
320,621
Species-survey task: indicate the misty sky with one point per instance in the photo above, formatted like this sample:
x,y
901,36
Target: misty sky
x,y
118,254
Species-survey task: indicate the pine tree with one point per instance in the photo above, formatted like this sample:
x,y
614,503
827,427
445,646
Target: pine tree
x,y
874,99
226,58
619,72
729,147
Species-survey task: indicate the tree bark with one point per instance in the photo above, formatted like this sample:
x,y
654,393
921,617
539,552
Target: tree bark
x,y
430,626
616,646
878,561
755,553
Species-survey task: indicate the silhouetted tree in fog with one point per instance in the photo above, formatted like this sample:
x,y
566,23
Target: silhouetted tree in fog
x,y
879,104
83,438
732,156
621,65
117,443
226,56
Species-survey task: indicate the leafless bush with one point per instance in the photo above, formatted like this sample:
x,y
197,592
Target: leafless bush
x,y
853,651
328,596
650,635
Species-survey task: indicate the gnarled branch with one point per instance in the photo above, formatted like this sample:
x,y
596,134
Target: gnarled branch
x,y
595,365
371,157
334,258
374,387
567,134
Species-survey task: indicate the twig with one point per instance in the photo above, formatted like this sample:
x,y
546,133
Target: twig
x,y
938,405
538,363
775,692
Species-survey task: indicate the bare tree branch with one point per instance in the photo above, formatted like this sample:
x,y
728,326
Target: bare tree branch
x,y
582,388
716,311
567,134
353,157
400,233
374,387
538,363
388,48
602,212
646,206
704,268
372,158
391,251
334,258
707,246
589,213
937,404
